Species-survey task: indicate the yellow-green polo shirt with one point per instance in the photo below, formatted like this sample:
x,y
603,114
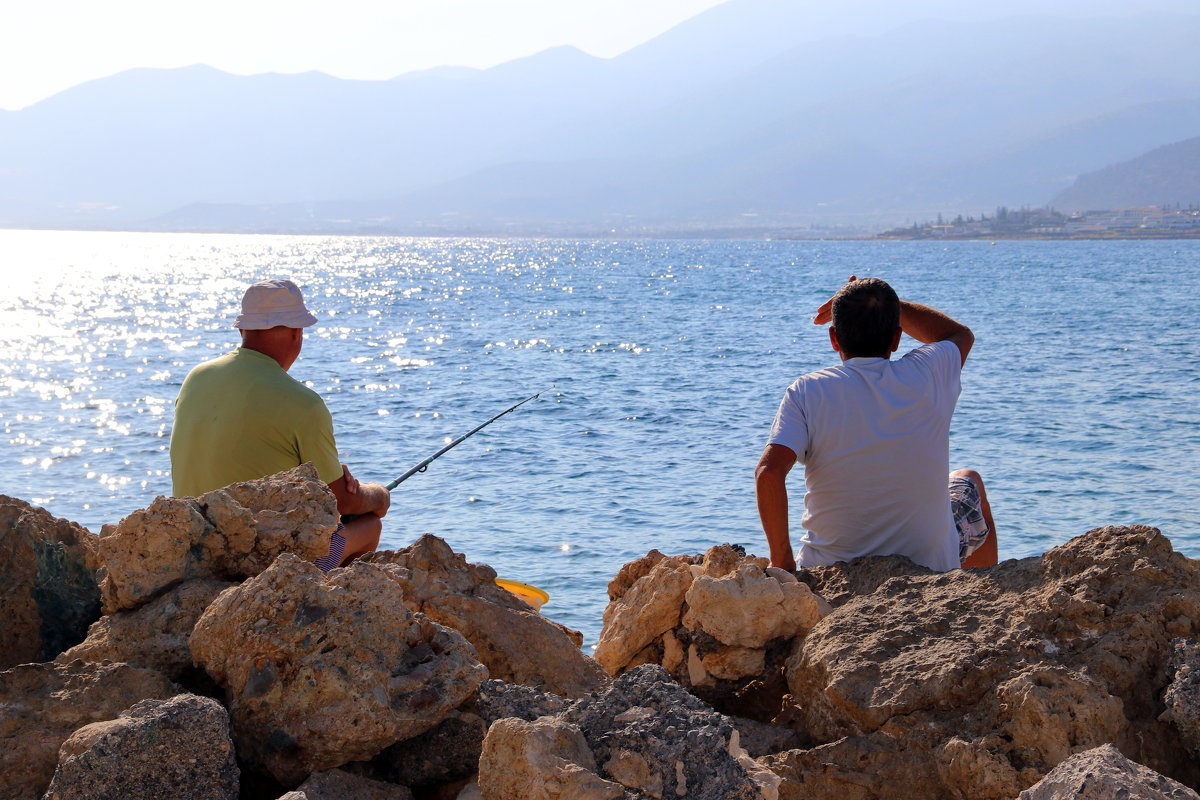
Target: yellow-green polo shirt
x,y
241,417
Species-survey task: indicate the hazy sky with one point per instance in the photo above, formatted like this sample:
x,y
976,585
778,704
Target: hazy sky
x,y
49,45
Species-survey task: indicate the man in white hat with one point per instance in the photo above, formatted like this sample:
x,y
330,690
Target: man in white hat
x,y
241,417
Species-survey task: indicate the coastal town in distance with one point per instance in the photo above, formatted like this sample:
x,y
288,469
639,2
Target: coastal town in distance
x,y
1146,222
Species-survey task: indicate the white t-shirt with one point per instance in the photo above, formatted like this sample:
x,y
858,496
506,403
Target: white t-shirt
x,y
874,437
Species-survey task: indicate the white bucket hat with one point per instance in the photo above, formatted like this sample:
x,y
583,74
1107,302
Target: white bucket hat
x,y
268,304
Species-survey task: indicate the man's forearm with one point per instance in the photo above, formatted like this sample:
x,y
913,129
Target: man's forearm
x,y
371,498
771,492
926,324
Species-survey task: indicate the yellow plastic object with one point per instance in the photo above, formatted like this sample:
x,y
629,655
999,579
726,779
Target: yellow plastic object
x,y
530,594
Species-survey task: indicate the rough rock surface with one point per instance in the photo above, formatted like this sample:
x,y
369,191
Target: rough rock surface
x,y
721,625
975,683
643,737
1104,773
178,748
232,533
1182,697
320,670
498,700
48,591
154,635
546,759
513,641
43,704
336,784
445,753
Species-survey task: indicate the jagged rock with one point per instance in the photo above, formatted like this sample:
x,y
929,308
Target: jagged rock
x,y
513,641
322,670
649,734
178,748
869,767
48,590
842,582
43,704
232,533
722,624
154,635
546,759
498,700
1104,773
748,608
336,784
1001,672
447,752
1182,697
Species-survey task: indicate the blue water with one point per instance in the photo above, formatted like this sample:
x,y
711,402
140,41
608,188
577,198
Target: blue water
x,y
667,360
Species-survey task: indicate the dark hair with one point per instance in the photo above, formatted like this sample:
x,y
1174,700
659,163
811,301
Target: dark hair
x,y
866,314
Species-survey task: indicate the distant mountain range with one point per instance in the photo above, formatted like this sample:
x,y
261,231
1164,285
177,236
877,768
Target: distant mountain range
x,y
1166,176
755,113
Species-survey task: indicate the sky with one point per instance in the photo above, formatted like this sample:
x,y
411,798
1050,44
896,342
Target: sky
x,y
50,45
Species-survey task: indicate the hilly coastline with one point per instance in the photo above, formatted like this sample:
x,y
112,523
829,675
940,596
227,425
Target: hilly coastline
x,y
759,114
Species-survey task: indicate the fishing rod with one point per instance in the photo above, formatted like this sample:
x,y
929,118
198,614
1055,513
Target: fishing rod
x,y
424,465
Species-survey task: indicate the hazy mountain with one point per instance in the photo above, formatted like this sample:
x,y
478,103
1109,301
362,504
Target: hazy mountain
x,y
848,110
1165,176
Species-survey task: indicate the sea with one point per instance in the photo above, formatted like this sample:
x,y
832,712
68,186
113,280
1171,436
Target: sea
x,y
660,364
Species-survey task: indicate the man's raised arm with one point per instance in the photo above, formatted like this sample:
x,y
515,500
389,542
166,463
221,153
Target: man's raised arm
x,y
926,324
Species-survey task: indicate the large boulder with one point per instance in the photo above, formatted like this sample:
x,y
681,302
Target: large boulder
x,y
48,590
320,670
512,640
154,635
231,533
976,683
178,748
721,624
1105,774
445,753
41,705
643,737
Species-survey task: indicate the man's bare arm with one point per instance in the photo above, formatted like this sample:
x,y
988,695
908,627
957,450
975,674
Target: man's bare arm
x,y
770,484
926,324
354,498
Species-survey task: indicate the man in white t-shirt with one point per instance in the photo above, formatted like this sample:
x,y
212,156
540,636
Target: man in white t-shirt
x,y
874,437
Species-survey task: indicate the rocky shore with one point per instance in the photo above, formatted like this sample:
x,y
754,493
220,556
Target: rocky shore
x,y
193,652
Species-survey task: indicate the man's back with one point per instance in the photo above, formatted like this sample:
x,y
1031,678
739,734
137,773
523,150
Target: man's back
x,y
240,417
873,435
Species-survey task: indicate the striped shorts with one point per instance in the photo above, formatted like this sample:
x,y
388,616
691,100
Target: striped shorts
x,y
968,515
337,546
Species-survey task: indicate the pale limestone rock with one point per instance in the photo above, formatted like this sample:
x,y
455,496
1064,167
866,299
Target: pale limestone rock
x,y
48,591
320,670
546,759
1024,663
648,609
513,641
733,663
41,705
748,608
178,748
154,635
1105,774
1055,712
231,533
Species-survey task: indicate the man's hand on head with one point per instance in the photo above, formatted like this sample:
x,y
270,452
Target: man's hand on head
x,y
825,310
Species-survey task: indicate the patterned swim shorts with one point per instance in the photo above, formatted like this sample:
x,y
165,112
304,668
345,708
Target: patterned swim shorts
x,y
337,546
968,515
